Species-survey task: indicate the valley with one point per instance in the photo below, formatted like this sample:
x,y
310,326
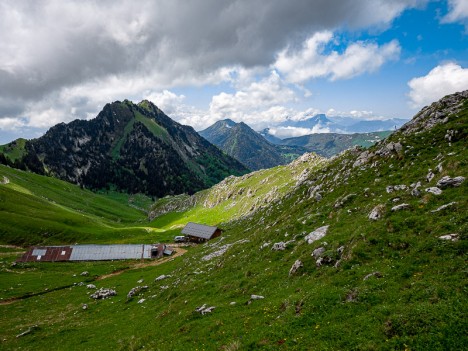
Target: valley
x,y
365,250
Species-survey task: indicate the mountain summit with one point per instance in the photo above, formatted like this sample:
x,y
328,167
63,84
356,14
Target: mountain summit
x,y
249,147
131,147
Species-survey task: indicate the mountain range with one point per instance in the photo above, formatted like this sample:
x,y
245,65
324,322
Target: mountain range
x,y
362,251
259,150
129,147
249,147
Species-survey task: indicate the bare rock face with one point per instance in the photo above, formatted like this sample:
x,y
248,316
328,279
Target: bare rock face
x,y
296,265
377,212
317,234
436,113
446,182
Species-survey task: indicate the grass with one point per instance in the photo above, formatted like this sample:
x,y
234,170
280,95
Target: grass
x,y
418,301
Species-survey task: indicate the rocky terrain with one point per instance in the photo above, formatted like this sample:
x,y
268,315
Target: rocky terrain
x,y
129,147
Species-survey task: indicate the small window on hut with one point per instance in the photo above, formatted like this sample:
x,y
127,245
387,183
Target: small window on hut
x,y
63,253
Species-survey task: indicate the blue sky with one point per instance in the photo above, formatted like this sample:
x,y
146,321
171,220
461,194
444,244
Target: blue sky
x,y
256,61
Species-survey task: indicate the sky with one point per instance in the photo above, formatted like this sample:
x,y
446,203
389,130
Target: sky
x,y
256,61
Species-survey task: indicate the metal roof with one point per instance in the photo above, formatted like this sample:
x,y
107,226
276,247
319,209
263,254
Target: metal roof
x,y
199,230
109,252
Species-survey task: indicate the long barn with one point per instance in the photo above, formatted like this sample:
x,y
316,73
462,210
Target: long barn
x,y
94,252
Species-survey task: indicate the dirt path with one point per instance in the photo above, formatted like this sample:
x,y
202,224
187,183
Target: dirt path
x,y
178,252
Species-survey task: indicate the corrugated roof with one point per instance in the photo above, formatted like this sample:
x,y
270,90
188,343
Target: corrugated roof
x,y
109,252
199,230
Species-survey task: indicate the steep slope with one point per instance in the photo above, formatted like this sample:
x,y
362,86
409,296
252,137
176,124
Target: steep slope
x,y
135,148
361,253
330,144
35,209
244,144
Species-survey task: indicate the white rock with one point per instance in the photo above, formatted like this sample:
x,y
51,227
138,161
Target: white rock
x,y
91,286
256,297
281,246
400,207
434,190
443,207
141,300
161,277
317,234
447,181
376,212
296,265
451,237
318,252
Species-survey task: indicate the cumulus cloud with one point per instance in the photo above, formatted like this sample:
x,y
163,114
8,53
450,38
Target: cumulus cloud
x,y
77,55
312,61
440,81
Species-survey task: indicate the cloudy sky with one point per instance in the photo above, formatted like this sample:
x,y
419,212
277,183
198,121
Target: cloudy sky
x,y
257,61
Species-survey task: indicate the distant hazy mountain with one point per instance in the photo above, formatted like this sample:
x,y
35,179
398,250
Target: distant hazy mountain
x,y
269,137
249,147
338,124
130,147
329,144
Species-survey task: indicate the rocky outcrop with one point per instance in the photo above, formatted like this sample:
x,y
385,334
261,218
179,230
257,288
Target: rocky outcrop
x,y
103,293
377,212
317,234
446,182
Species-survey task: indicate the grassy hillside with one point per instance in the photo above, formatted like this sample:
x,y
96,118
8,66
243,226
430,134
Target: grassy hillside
x,y
37,209
389,283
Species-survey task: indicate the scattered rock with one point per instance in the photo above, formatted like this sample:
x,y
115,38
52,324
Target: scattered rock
x,y
4,181
256,297
373,274
204,310
318,252
341,202
232,303
443,207
162,277
84,306
264,245
451,237
141,300
400,207
340,249
91,286
434,190
324,260
317,234
446,181
85,273
281,246
298,264
429,176
135,291
103,293
377,212
351,296
389,189
140,281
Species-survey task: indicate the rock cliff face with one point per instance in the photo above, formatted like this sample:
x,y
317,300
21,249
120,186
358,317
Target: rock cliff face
x,y
130,147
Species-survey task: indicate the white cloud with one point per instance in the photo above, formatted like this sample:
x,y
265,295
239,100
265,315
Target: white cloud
x,y
166,101
458,12
289,132
312,61
440,81
257,97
